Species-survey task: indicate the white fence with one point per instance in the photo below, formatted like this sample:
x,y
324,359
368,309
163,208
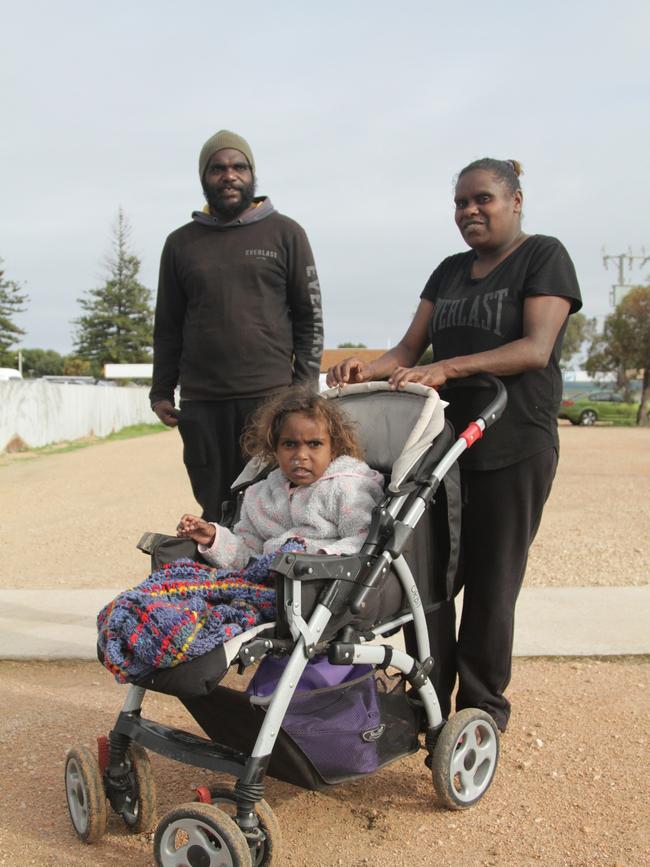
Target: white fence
x,y
40,412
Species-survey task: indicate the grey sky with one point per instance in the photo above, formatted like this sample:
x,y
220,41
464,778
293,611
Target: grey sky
x,y
359,115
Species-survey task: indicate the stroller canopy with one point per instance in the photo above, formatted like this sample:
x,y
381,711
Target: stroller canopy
x,y
395,428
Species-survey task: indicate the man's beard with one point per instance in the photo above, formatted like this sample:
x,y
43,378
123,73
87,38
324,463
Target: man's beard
x,y
230,210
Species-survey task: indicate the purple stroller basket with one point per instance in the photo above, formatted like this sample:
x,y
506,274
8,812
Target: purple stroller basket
x,y
334,715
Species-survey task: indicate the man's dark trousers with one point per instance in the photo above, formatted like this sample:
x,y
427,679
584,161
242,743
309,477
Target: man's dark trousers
x,y
211,432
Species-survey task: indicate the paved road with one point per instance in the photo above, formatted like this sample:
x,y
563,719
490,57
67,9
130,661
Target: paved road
x,y
552,621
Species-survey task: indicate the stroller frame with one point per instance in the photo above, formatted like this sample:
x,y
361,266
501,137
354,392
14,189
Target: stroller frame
x,y
348,582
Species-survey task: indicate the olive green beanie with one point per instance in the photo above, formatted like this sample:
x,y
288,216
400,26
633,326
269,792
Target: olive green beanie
x,y
224,139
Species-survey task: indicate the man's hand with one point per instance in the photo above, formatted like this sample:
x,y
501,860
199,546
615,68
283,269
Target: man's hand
x,y
349,370
166,412
191,527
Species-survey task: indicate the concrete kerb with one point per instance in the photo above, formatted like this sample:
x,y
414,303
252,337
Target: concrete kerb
x,y
55,624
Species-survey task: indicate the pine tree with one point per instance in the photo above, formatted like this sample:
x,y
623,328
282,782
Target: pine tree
x,y
12,301
118,322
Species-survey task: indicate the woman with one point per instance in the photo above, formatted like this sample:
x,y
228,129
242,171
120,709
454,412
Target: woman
x,y
500,308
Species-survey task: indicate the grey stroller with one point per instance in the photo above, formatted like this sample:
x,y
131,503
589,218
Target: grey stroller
x,y
331,698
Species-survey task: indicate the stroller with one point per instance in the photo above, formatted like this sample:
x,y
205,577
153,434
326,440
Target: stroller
x,y
322,707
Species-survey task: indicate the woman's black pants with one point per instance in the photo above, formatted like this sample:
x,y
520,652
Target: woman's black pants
x,y
501,514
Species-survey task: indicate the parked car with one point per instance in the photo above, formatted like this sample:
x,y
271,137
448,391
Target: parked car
x,y
598,406
7,373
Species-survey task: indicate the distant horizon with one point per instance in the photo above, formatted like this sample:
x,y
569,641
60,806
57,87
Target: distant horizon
x,y
144,370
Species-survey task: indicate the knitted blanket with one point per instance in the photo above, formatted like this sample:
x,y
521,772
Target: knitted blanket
x,y
182,611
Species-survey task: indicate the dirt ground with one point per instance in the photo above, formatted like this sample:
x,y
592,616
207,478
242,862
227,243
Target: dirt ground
x,y
571,789
75,517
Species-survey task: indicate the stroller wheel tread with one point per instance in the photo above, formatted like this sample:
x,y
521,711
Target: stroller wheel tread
x,y
269,854
141,817
199,833
85,794
464,759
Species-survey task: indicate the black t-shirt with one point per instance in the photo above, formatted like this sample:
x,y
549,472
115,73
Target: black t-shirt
x,y
478,315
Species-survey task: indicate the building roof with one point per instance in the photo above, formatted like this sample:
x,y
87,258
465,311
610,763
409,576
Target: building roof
x,y
330,357
335,356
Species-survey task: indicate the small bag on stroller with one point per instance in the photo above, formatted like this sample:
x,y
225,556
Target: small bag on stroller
x,y
333,705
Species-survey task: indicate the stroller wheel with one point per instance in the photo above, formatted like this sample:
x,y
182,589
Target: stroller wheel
x,y
201,835
84,790
139,815
465,758
267,853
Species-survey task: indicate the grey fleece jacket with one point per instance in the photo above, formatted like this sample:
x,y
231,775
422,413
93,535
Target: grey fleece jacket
x,y
331,515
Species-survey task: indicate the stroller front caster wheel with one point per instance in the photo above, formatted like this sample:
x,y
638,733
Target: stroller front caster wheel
x,y
84,789
139,814
200,834
267,852
465,758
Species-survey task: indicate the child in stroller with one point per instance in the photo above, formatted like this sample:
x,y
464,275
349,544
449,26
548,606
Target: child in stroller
x,y
333,605
319,499
321,491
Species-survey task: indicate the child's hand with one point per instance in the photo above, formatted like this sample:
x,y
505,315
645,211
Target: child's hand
x,y
191,527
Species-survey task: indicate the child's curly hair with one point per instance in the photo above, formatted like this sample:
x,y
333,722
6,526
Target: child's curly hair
x,y
262,434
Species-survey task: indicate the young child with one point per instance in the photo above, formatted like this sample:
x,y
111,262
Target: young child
x,y
320,493
319,499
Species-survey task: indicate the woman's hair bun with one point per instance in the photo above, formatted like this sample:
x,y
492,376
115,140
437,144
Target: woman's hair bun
x,y
506,171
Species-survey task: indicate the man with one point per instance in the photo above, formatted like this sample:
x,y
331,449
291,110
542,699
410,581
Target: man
x,y
238,316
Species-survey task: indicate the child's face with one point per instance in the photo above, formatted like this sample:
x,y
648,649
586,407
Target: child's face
x,y
304,449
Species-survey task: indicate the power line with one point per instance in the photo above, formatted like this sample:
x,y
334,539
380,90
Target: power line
x,y
621,261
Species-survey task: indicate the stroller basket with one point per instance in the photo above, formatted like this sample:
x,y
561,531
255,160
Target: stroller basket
x,y
353,729
328,736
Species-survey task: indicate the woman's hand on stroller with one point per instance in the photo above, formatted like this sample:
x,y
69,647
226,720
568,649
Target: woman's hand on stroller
x,y
349,370
191,527
434,375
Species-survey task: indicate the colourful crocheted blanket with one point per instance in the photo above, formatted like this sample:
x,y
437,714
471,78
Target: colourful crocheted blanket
x,y
182,611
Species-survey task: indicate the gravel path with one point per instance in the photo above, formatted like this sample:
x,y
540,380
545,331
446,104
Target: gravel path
x,y
596,525
81,513
571,789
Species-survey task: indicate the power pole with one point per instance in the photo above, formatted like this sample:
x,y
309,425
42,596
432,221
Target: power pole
x,y
621,288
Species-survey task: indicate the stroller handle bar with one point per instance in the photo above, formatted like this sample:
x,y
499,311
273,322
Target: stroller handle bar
x,y
402,529
494,410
